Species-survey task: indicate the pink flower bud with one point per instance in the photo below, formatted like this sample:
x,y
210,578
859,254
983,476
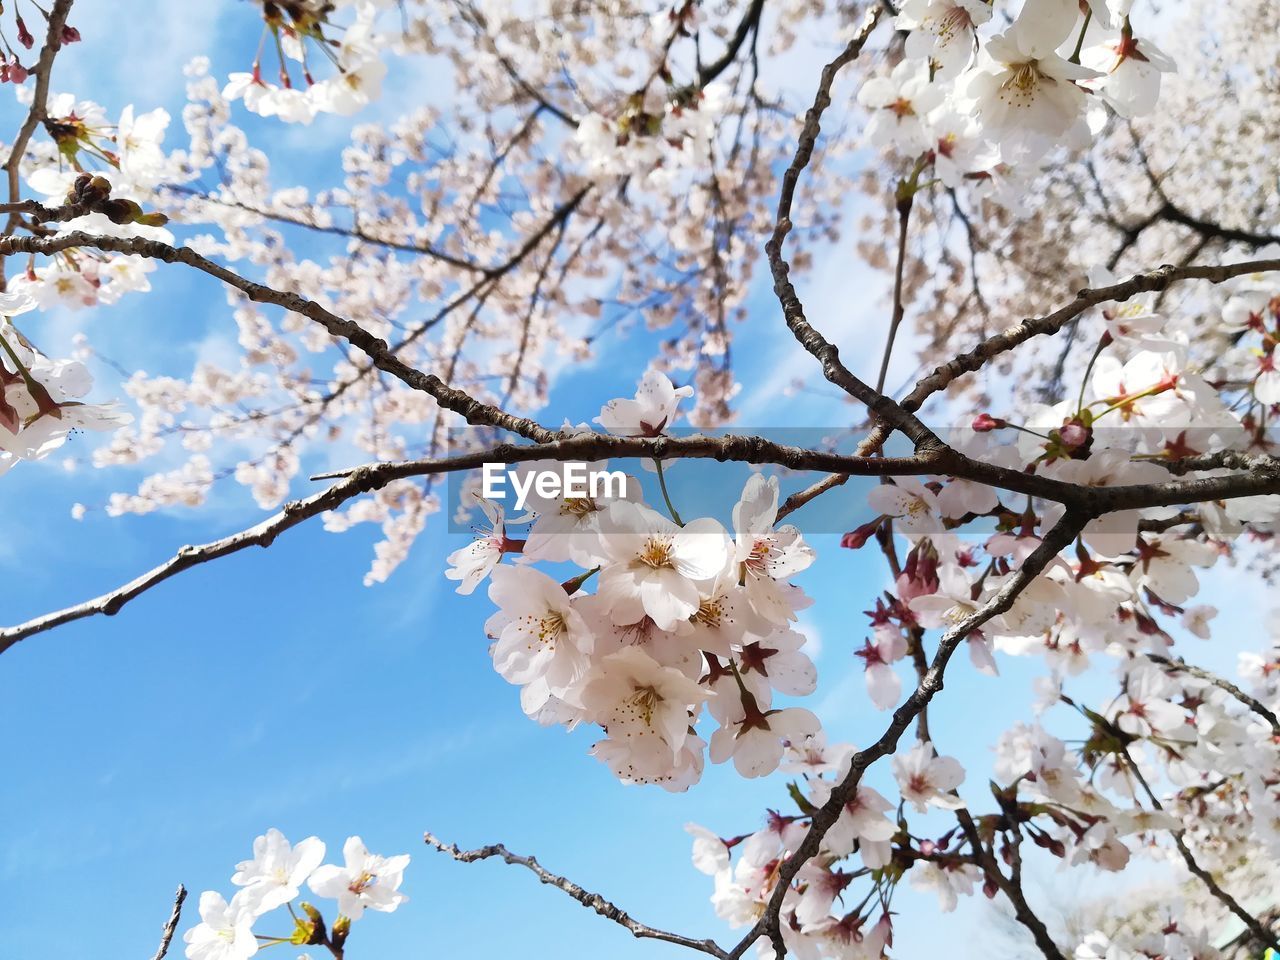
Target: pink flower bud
x,y
1074,434
70,34
24,35
984,423
856,539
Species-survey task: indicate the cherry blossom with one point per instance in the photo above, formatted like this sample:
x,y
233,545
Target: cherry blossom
x,y
277,871
653,410
655,567
540,636
927,779
225,931
366,881
644,707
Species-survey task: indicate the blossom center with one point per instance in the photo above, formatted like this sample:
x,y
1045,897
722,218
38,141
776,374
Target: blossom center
x,y
362,883
645,700
656,553
710,612
578,507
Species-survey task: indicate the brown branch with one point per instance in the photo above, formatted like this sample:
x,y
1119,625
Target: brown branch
x,y
746,26
260,535
827,815
1013,891
375,476
1154,280
1230,902
39,103
899,307
592,901
171,925
591,447
938,462
814,342
1221,683
382,356
1085,500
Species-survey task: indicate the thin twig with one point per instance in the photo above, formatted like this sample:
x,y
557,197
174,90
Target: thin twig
x,y
1154,280
590,900
1222,684
171,925
825,352
899,306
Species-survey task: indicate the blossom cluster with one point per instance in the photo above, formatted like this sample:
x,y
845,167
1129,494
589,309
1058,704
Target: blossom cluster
x,y
1171,753
982,106
274,878
685,616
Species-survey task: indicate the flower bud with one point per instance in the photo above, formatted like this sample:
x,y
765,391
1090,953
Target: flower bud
x,y
856,539
120,211
341,930
24,35
1074,434
984,423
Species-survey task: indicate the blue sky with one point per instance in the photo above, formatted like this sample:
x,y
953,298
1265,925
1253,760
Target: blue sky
x,y
272,689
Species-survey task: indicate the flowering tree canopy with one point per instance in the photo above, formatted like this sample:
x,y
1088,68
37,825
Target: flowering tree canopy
x,y
1075,206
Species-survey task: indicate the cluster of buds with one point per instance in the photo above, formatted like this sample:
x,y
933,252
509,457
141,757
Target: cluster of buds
x,y
11,68
94,193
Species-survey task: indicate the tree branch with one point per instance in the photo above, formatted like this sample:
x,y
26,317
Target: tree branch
x,y
590,900
374,347
1154,280
171,925
930,684
1230,902
814,342
39,101
749,23
1087,500
1221,683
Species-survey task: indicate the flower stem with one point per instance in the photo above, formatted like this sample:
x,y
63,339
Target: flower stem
x,y
1075,56
662,482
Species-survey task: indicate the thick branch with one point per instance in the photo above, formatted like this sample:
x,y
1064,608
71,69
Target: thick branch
x,y
590,900
1092,501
